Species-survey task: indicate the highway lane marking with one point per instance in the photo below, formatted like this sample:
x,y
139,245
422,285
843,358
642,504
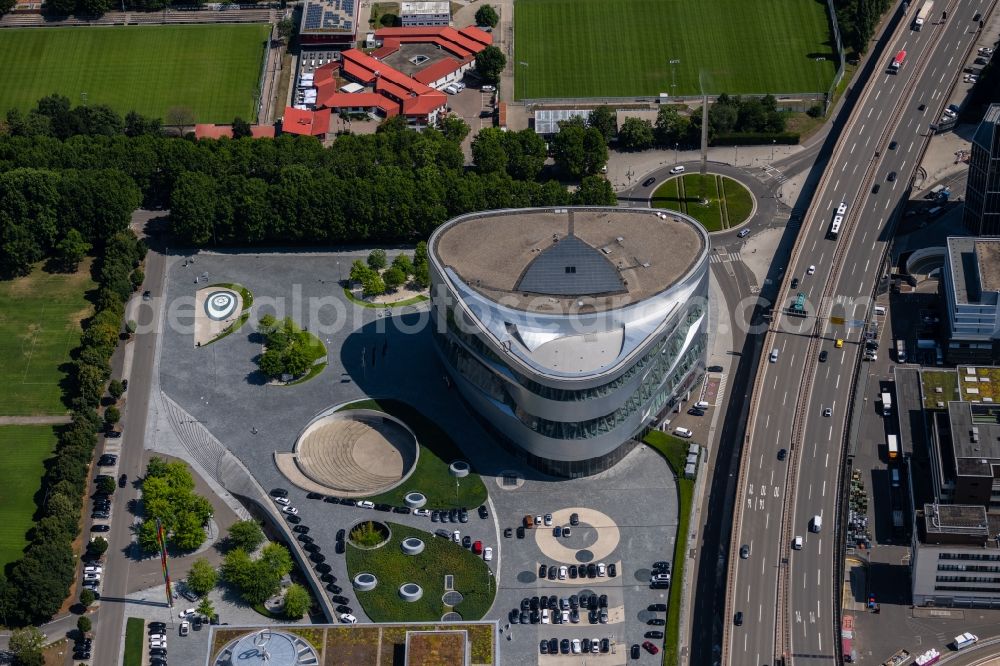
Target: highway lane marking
x,y
819,578
866,265
826,461
941,80
815,446
864,237
934,71
748,594
824,488
829,435
814,245
827,372
785,399
877,93
861,129
893,85
878,117
887,201
772,478
870,111
767,519
766,424
775,382
793,360
910,148
819,547
838,382
845,166
761,465
810,492
820,637
745,638
950,60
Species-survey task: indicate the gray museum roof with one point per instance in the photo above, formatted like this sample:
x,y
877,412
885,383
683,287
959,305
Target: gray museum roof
x,y
559,260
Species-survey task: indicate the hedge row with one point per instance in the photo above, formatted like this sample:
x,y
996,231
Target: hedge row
x,y
755,139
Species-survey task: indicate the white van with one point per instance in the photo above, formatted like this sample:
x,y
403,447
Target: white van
x,y
774,355
451,89
797,543
965,640
880,310
683,432
817,524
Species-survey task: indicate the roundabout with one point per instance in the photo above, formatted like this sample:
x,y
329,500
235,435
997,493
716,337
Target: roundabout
x,y
599,536
716,201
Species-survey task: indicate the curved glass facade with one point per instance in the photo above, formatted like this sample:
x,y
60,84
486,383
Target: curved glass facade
x,y
577,425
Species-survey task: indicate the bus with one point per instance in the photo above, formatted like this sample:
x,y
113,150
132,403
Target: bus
x,y
835,226
893,443
897,62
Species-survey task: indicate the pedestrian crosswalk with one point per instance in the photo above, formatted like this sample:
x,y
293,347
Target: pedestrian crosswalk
x,y
771,172
724,256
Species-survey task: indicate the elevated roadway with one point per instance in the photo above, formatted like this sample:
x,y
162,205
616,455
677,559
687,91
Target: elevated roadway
x,y
788,598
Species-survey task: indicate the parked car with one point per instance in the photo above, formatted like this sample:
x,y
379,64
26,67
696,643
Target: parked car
x,y
347,618
283,501
483,513
365,504
574,519
650,648
677,169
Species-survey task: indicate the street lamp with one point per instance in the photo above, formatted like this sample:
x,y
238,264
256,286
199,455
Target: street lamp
x,y
675,152
673,74
773,141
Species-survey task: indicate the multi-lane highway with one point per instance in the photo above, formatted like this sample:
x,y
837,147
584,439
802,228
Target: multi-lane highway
x,y
787,597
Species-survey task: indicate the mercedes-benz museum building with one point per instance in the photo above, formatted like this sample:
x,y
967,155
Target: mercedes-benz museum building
x,y
569,330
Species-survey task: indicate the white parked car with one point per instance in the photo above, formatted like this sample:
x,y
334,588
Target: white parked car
x,y
283,501
158,644
157,637
488,553
677,169
602,570
548,520
456,536
702,404
545,616
92,576
291,510
366,504
576,646
488,88
187,612
92,569
347,618
683,432
421,512
185,628
563,572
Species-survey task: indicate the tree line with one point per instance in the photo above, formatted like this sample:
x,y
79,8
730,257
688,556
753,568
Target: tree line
x,y
857,20
37,584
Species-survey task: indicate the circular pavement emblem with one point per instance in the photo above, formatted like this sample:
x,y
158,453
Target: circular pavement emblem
x,y
220,305
607,536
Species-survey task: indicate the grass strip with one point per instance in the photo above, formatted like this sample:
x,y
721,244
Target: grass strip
x,y
134,641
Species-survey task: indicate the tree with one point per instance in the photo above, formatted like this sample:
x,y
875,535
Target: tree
x,y
579,150
138,125
276,557
181,116
297,601
146,536
237,567
635,134
87,597
106,485
373,285
286,28
71,250
116,389
25,642
490,62
488,152
60,7
403,263
377,259
205,607
422,275
188,531
487,16
246,534
6,6
603,118
595,191
83,624
241,128
112,415
454,128
671,127
92,7
394,278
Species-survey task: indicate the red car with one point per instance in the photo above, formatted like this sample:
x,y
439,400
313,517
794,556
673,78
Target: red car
x,y
477,547
650,648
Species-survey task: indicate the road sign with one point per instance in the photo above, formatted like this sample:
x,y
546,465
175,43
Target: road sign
x,y
855,323
839,321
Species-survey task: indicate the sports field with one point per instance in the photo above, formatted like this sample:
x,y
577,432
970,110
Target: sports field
x,y
25,449
211,69
596,48
39,325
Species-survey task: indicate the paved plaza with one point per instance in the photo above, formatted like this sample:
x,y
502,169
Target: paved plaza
x,y
628,515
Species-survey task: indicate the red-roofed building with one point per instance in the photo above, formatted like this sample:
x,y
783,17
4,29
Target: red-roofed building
x,y
304,122
208,131
391,92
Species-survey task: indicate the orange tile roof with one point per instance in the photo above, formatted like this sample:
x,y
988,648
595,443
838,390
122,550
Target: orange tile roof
x,y
325,74
463,43
438,70
299,121
424,104
346,100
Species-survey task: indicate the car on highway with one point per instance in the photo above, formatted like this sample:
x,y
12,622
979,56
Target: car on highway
x,y
823,356
811,270
648,182
827,411
743,233
842,208
744,552
892,145
677,169
875,188
922,107
891,177
797,543
795,283
738,619
839,344
782,454
774,355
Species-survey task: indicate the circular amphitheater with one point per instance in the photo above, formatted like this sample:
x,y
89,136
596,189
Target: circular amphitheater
x,y
356,453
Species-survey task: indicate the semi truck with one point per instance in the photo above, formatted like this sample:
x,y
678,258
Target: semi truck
x,y
886,403
923,15
892,442
897,62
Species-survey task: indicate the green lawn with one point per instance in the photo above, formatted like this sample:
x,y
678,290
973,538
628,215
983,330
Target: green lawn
x,y
437,452
595,48
440,557
675,451
134,641
211,69
25,449
39,325
728,202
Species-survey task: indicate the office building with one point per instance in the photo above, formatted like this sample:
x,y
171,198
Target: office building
x,y
982,191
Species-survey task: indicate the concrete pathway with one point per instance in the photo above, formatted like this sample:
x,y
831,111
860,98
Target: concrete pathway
x,y
35,420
